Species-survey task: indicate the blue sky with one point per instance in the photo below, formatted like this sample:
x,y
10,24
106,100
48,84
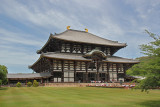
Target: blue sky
x,y
25,25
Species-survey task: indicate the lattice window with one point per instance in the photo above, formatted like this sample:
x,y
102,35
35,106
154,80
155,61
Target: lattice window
x,y
57,65
80,66
87,49
76,48
120,70
110,68
114,67
107,51
104,66
65,47
68,65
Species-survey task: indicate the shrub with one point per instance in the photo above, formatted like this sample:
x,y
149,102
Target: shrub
x,y
0,83
18,84
35,83
29,84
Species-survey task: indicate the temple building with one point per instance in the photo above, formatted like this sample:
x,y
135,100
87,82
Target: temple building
x,y
79,56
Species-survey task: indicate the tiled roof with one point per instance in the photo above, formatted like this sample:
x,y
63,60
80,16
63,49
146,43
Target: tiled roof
x,y
29,75
85,37
79,57
70,56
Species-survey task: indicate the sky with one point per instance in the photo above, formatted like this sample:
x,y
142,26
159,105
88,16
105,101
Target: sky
x,y
25,25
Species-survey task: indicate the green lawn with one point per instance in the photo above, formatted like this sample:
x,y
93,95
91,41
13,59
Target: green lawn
x,y
77,97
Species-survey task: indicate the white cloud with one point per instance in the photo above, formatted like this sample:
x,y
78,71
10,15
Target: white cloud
x,y
19,38
38,16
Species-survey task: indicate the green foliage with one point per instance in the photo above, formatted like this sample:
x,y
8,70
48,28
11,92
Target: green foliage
x,y
152,48
149,65
3,74
35,83
0,83
150,82
29,84
18,84
144,67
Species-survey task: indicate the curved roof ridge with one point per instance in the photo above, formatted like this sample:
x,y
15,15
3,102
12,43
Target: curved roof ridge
x,y
85,32
88,33
69,36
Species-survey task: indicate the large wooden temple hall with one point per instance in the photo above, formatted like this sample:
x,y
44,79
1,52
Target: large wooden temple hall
x,y
78,56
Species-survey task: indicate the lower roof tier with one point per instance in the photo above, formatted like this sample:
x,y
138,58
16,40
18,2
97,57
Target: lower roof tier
x,y
29,75
79,57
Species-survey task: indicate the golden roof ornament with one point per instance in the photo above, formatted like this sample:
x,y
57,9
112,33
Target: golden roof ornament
x,y
68,27
86,30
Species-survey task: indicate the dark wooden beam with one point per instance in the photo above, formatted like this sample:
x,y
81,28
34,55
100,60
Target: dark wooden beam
x,y
75,71
62,78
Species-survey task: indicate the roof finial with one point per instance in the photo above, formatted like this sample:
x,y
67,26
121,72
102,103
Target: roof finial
x,y
86,29
68,27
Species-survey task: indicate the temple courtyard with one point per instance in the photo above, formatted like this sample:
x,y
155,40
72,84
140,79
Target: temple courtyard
x,y
77,97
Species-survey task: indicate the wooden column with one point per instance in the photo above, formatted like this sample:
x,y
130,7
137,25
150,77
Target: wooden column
x,y
71,47
26,82
124,69
75,71
86,63
41,80
97,68
62,78
82,48
108,77
117,67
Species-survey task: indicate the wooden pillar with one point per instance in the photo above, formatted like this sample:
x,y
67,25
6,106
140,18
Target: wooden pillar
x,y
62,78
108,77
117,67
26,82
75,71
86,63
51,65
124,69
71,47
97,68
82,48
42,80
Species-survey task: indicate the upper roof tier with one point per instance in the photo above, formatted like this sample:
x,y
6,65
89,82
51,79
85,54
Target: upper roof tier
x,y
85,37
81,37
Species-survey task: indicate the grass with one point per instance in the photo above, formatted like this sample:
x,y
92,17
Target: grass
x,y
77,97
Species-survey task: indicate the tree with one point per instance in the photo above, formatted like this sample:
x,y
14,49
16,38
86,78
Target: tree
x,y
152,48
141,69
3,74
150,65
